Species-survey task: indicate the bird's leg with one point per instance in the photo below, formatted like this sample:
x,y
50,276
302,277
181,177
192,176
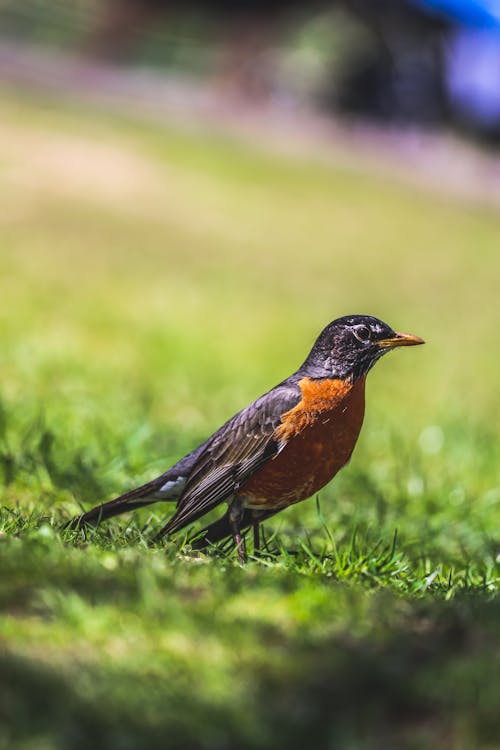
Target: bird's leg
x,y
256,538
236,509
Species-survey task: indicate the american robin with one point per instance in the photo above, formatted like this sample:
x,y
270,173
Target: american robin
x,y
281,449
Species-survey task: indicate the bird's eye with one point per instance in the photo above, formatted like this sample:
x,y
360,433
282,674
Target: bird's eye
x,y
362,333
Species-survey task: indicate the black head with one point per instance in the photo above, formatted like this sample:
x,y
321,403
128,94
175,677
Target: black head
x,y
349,347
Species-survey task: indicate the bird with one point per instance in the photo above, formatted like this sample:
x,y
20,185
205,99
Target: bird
x,y
281,449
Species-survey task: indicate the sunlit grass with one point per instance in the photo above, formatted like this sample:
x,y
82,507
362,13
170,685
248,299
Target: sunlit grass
x,y
152,283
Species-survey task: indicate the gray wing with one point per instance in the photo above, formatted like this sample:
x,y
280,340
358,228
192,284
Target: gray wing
x,y
233,454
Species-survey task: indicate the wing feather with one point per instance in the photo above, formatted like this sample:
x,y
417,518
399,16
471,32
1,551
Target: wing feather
x,y
233,454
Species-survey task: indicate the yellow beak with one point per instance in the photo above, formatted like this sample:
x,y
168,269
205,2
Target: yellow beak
x,y
400,339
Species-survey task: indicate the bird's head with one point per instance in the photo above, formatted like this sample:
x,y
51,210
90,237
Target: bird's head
x,y
349,347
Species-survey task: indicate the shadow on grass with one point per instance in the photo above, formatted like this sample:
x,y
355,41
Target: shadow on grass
x,y
429,680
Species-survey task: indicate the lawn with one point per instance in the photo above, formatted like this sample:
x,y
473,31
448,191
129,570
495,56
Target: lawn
x,y
153,282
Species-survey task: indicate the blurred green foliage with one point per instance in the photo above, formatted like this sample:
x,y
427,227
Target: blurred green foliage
x,y
153,282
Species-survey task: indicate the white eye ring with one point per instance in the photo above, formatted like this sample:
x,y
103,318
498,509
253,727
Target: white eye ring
x,y
362,333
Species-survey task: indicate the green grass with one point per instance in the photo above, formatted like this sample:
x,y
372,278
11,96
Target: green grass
x,y
152,283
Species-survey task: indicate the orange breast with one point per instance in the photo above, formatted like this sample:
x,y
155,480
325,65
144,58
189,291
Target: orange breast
x,y
319,435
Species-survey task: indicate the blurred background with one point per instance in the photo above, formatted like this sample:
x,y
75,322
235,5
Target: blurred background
x,y
258,168
432,63
189,192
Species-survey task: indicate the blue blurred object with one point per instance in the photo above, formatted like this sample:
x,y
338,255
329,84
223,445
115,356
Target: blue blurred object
x,y
477,14
471,61
472,72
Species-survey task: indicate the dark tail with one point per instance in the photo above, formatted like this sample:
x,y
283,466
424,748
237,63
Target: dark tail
x,y
138,498
167,487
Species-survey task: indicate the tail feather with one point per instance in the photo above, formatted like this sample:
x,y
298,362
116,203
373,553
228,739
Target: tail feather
x,y
167,487
146,494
